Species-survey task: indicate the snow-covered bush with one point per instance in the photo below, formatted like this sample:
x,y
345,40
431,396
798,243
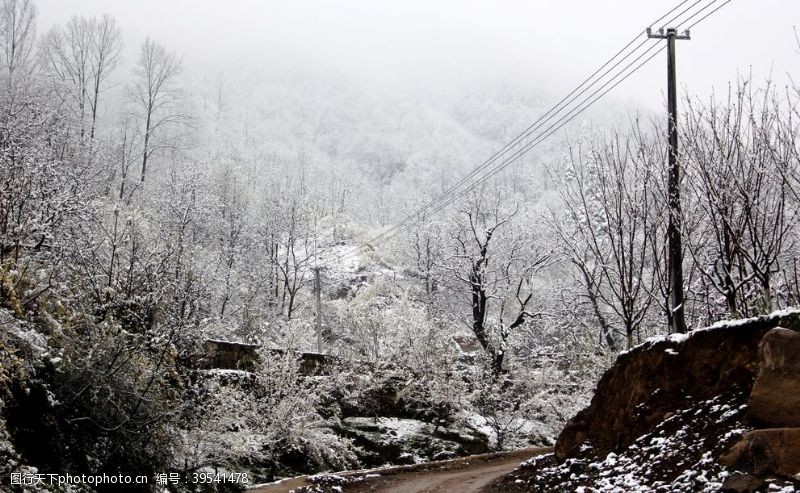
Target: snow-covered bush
x,y
268,421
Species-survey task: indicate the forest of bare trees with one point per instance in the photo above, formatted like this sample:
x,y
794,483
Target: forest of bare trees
x,y
144,210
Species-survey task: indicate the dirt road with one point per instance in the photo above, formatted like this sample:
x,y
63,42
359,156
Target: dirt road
x,y
465,475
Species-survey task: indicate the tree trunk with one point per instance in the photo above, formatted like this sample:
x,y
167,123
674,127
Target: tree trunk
x,y
146,143
605,328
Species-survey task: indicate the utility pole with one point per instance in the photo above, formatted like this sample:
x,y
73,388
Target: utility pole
x,y
318,294
674,246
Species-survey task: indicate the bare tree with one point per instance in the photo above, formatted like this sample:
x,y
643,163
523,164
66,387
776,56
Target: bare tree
x,y
425,257
66,54
154,93
17,37
740,167
79,57
589,275
607,196
295,255
497,270
37,192
17,33
107,45
233,235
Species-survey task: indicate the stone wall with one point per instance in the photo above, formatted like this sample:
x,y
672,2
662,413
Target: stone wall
x,y
231,355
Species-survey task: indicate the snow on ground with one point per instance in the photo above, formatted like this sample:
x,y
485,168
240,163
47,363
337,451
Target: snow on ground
x,y
479,423
679,455
399,428
402,428
787,312
341,258
729,324
227,372
225,341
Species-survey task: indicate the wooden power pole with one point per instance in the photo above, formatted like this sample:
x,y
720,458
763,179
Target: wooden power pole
x,y
318,295
674,242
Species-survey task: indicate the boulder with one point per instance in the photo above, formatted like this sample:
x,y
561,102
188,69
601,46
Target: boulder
x,y
775,398
774,451
386,440
740,482
444,455
405,459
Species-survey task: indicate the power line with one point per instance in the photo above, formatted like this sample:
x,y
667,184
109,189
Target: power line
x,y
579,110
582,106
683,12
543,120
560,123
570,98
548,132
710,13
565,101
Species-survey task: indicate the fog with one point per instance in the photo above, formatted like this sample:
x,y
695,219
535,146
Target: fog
x,y
437,46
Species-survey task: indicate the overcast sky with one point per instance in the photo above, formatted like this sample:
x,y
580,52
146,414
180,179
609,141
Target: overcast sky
x,y
439,43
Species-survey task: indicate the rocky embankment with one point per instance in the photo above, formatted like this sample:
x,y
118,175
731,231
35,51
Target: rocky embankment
x,y
714,410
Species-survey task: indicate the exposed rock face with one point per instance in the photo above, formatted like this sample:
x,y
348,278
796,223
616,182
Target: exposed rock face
x,y
662,376
775,398
771,451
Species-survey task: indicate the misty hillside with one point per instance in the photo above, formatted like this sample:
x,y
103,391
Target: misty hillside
x,y
241,245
